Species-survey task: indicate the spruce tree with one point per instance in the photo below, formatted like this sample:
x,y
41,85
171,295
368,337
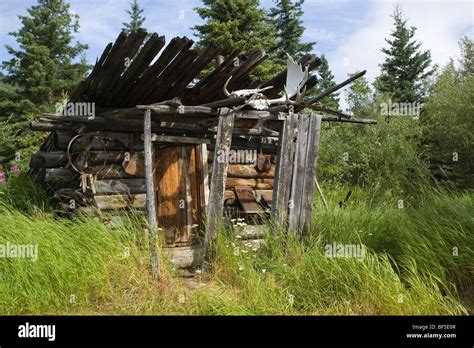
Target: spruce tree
x,y
406,68
289,29
41,72
136,18
325,81
467,56
234,24
359,97
237,25
43,66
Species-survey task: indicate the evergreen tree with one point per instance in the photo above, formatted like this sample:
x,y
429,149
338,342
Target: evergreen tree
x,y
359,97
41,72
136,19
234,24
447,123
467,56
289,29
325,81
43,67
406,68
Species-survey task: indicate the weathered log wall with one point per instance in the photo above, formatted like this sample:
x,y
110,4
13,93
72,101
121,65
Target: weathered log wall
x,y
115,188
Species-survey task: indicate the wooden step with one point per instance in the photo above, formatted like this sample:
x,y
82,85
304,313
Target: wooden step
x,y
246,198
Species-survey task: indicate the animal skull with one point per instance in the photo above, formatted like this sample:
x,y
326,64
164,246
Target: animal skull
x,y
243,92
295,81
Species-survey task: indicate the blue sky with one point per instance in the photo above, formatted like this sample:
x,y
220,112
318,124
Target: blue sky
x,y
349,33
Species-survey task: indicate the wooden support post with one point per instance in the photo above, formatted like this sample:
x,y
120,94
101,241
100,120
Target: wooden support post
x,y
219,175
150,193
298,173
205,178
186,158
304,174
310,182
202,178
284,169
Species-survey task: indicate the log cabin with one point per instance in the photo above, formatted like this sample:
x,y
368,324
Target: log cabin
x,y
149,131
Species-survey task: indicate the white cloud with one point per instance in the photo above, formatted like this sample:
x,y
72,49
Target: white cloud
x,y
319,34
351,34
101,20
440,25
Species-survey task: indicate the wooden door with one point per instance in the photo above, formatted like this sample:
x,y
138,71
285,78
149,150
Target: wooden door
x,y
179,180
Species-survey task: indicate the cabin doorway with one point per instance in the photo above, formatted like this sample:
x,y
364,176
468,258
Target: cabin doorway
x,y
180,176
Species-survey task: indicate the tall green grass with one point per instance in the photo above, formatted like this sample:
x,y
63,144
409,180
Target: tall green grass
x,y
297,278
434,232
409,267
82,267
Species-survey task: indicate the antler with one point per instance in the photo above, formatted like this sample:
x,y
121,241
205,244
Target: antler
x,y
226,92
264,89
299,97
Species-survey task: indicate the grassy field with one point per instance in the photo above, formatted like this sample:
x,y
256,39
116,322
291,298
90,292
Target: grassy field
x,y
418,259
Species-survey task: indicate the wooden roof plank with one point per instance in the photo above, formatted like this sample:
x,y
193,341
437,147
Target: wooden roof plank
x,y
198,65
148,78
103,71
138,66
118,66
85,85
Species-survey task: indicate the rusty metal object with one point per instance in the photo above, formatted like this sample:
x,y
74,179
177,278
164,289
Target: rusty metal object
x,y
133,165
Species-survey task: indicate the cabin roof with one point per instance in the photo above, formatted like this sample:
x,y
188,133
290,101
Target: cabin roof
x,y
139,72
142,69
